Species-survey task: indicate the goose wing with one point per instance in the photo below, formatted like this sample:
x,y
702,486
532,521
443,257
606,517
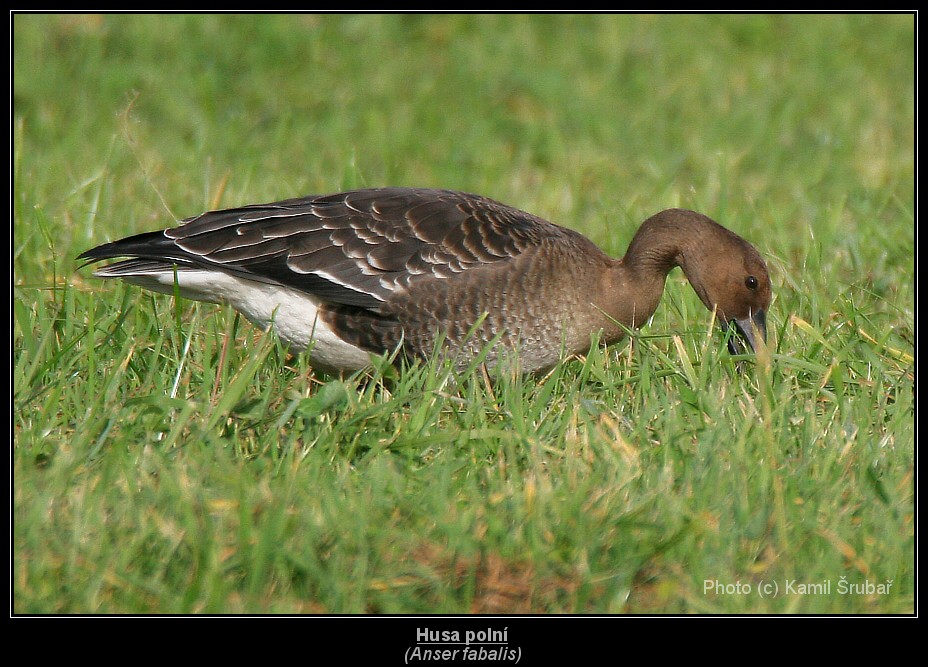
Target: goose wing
x,y
352,248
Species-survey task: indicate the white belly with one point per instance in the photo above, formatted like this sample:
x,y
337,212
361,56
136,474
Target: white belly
x,y
292,314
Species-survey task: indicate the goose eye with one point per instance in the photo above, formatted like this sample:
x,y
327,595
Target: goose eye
x,y
751,283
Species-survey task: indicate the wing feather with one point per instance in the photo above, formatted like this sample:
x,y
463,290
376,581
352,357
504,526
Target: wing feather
x,y
354,248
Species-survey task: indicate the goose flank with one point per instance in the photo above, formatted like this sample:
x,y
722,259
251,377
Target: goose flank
x,y
376,270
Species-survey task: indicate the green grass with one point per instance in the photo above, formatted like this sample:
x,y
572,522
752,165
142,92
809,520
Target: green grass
x,y
169,458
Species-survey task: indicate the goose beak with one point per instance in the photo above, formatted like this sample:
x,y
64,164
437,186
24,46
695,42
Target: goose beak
x,y
750,329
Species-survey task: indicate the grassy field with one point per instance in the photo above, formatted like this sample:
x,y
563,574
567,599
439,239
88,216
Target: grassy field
x,y
170,458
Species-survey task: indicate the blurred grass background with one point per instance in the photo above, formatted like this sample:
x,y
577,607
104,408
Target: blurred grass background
x,y
153,474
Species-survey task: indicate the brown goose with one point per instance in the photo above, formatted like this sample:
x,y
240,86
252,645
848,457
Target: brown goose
x,y
377,270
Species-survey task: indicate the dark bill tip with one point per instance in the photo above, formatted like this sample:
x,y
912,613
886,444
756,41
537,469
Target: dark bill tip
x,y
749,330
